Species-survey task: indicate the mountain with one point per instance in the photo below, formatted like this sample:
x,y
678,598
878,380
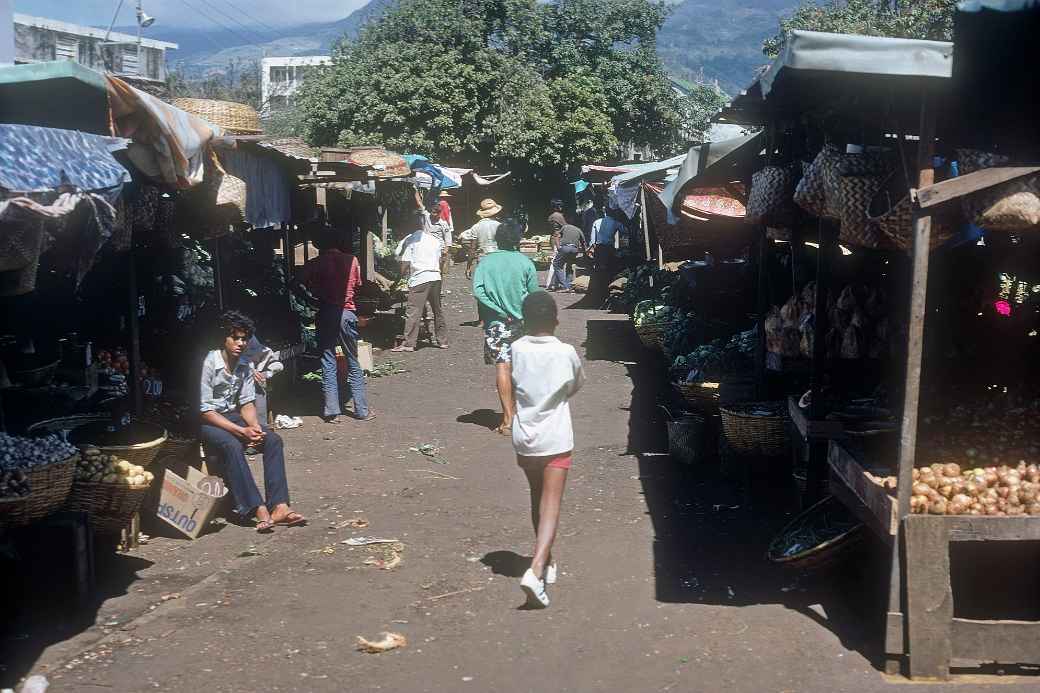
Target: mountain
x,y
719,39
713,40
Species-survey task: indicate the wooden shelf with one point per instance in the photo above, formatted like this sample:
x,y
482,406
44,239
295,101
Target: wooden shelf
x,y
865,498
812,428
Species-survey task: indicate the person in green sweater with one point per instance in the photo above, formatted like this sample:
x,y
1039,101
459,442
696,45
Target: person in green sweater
x,y
502,281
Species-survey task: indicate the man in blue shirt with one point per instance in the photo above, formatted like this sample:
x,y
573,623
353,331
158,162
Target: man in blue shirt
x,y
604,232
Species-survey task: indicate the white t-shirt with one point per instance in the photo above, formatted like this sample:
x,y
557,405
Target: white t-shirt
x,y
423,251
546,374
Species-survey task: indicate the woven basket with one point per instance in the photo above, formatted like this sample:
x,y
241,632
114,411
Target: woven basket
x,y
752,434
142,454
857,192
235,118
821,555
110,506
49,488
1013,206
64,423
810,193
652,334
20,281
893,214
769,201
387,164
699,394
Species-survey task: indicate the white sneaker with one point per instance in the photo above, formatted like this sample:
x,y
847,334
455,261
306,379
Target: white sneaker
x,y
534,588
550,574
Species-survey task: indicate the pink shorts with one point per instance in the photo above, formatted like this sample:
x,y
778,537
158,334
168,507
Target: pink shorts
x,y
560,461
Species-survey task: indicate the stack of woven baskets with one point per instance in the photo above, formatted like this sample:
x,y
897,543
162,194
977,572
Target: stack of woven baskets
x,y
49,487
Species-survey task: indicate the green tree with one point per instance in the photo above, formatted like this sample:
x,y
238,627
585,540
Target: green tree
x,y
514,82
918,19
698,108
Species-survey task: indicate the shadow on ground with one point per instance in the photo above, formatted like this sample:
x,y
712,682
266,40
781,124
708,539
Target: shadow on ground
x,y
507,563
713,520
485,418
36,564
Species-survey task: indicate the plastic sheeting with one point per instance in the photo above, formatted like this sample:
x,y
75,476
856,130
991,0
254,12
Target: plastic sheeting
x,y
39,159
267,187
169,145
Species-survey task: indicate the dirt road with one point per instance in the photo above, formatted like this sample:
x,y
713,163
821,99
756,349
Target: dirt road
x,y
663,584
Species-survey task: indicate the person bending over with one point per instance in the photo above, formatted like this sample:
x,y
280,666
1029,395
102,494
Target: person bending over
x,y
229,424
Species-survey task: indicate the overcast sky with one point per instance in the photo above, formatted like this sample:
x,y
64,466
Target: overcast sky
x,y
194,13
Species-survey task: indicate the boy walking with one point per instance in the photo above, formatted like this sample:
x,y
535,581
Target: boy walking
x,y
546,374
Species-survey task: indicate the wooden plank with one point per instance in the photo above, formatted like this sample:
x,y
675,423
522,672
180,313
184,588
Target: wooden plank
x,y
812,428
840,490
1004,642
933,196
929,599
881,505
642,216
973,528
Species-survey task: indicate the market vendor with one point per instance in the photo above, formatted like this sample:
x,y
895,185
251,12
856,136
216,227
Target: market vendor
x,y
229,423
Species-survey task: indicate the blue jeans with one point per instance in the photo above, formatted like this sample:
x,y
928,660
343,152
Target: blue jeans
x,y
563,267
230,451
339,326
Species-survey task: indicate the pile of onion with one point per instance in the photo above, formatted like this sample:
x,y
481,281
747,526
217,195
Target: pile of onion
x,y
944,489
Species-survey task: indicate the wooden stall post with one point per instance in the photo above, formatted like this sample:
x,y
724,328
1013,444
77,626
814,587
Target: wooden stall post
x,y
642,218
896,630
384,227
218,279
816,471
136,396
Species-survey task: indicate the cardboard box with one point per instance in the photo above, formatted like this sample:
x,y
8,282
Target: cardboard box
x,y
189,504
364,353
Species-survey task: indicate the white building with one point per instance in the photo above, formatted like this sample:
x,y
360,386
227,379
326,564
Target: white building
x,y
38,40
281,77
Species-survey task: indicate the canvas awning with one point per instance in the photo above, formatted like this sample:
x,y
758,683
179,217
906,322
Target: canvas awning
x,y
714,163
870,78
46,159
59,94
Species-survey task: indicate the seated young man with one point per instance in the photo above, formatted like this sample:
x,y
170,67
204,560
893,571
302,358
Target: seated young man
x,y
230,423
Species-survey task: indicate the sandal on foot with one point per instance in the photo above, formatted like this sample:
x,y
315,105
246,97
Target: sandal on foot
x,y
264,527
293,519
402,348
504,430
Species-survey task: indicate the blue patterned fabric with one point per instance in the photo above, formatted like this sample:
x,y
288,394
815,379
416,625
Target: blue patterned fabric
x,y
35,159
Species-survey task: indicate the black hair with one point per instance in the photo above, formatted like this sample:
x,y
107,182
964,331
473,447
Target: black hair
x,y
539,311
557,205
235,321
508,234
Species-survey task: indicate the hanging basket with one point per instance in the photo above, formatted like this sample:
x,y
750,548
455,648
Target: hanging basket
x,y
758,428
857,192
49,488
110,506
769,201
1013,206
893,214
234,118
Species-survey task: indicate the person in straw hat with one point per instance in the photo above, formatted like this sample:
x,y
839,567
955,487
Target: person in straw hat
x,y
482,233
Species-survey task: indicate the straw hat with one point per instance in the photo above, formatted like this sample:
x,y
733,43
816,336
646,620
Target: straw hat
x,y
488,208
444,193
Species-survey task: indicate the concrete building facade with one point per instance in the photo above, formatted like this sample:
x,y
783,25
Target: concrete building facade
x,y
37,39
281,77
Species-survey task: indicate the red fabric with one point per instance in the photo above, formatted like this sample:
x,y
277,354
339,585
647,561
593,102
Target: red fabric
x,y
561,461
445,211
333,277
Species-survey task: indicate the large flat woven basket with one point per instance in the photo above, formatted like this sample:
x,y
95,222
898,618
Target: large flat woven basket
x,y
699,394
110,506
651,334
49,487
235,118
747,430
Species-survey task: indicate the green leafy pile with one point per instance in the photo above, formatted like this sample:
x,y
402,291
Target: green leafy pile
x,y
722,358
652,312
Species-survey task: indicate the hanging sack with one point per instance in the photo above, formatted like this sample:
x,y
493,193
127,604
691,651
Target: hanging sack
x,y
856,194
1011,206
770,198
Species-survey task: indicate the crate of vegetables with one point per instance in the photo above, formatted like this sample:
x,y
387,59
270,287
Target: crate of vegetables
x,y
35,477
107,488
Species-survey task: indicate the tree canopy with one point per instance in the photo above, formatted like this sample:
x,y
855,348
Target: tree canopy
x,y
519,83
918,19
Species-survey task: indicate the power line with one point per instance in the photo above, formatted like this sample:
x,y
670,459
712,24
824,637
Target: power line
x,y
234,19
222,25
274,32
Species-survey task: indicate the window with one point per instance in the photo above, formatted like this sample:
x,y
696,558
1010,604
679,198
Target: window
x,y
279,74
66,47
85,54
130,66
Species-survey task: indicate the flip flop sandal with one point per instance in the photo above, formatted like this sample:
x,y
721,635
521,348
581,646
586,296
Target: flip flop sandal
x,y
264,527
399,349
504,430
296,521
